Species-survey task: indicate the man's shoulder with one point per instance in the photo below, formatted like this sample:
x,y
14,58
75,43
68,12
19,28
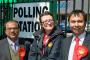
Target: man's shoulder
x,y
88,32
67,38
87,35
2,41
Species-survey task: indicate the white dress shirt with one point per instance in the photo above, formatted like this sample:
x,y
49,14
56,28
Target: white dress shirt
x,y
13,45
71,50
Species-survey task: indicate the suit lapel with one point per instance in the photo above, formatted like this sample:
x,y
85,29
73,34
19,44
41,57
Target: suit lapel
x,y
86,40
67,46
6,47
86,43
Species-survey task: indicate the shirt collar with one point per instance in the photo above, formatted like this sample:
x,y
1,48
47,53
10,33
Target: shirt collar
x,y
81,36
11,42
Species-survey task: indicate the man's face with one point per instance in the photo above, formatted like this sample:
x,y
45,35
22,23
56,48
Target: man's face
x,y
12,30
77,24
47,22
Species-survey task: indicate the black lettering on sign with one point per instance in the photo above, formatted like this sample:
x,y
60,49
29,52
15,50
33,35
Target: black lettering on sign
x,y
37,26
29,15
38,10
25,15
32,27
45,8
33,12
24,26
20,24
15,11
29,12
20,12
28,26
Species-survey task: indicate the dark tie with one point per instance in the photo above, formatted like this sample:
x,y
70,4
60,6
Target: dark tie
x,y
15,46
75,57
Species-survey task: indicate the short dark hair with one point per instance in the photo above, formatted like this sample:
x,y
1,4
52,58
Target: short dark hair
x,y
11,21
43,14
77,12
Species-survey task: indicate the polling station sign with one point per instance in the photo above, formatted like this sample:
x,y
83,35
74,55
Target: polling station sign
x,y
27,15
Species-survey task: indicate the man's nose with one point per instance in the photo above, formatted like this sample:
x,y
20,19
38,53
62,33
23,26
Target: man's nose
x,y
12,29
76,23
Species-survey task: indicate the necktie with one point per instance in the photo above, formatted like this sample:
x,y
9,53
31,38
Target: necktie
x,y
75,57
15,47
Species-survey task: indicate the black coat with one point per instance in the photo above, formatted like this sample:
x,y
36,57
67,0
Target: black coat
x,y
52,49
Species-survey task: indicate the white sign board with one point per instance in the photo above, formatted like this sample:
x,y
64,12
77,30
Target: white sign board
x,y
27,16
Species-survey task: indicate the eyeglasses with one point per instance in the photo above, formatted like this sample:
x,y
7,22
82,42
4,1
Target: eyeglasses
x,y
16,28
48,21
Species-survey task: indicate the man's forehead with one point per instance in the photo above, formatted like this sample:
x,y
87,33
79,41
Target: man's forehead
x,y
11,22
79,14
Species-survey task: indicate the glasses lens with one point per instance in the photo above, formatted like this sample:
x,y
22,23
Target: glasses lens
x,y
48,21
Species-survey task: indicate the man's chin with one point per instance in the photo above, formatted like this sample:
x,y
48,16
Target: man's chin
x,y
13,37
76,33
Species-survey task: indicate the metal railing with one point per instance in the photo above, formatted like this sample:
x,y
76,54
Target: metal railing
x,y
59,8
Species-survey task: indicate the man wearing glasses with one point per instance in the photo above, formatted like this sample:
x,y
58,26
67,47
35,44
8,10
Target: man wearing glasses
x,y
9,46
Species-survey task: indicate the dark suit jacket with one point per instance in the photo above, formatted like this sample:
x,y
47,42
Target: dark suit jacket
x,y
66,45
4,50
51,53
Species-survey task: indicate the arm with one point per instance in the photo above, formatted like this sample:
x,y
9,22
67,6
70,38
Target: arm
x,y
33,51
